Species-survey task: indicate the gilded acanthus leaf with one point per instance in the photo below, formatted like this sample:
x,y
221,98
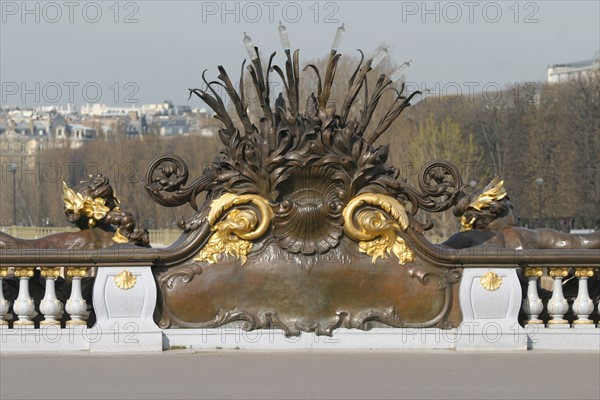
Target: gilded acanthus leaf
x,y
94,209
494,191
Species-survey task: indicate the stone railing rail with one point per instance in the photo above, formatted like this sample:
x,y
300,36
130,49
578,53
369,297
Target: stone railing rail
x,y
157,236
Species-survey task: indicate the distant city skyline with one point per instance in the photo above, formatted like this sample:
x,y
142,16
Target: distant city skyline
x,y
133,53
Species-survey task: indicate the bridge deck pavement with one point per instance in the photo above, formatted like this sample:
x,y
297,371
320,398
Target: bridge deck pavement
x,y
183,374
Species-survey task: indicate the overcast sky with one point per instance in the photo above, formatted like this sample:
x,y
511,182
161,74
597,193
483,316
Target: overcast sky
x,y
165,45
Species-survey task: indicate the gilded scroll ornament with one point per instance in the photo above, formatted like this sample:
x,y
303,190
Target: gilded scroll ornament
x,y
234,234
378,235
125,280
491,281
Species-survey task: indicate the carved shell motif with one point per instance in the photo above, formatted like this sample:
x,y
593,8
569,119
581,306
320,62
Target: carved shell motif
x,y
491,281
125,280
308,219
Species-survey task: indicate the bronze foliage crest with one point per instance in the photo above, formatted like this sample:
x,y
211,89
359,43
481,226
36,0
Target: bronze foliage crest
x,y
307,162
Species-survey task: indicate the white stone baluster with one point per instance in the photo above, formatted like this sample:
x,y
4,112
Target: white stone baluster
x,y
558,305
50,306
76,305
583,305
532,304
24,307
4,306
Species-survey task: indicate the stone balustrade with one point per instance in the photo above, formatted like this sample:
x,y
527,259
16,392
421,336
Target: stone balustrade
x,y
123,303
565,317
50,306
557,307
124,300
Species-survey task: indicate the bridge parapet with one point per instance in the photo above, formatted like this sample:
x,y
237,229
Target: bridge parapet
x,y
304,231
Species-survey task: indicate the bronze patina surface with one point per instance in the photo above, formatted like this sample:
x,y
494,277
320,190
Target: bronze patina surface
x,y
488,218
305,224
348,293
95,209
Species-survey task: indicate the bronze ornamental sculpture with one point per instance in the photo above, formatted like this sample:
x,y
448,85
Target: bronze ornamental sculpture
x,y
304,222
304,226
93,207
487,217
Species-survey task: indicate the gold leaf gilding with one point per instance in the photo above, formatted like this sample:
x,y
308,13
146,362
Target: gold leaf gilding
x,y
93,209
491,281
558,272
24,272
119,238
494,191
584,272
233,235
378,235
50,272
125,280
533,271
77,272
